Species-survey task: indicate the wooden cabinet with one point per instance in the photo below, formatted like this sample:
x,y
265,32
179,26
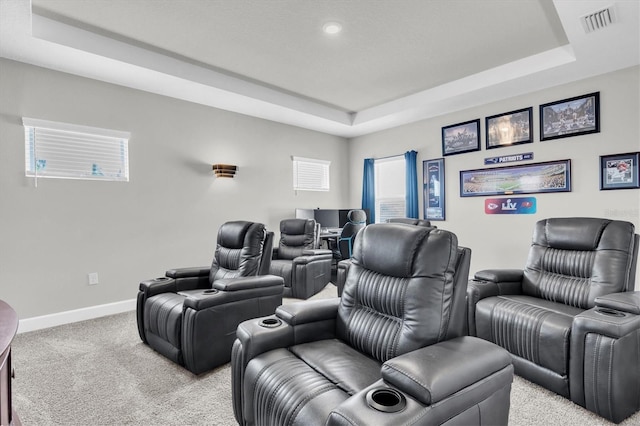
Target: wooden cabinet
x,y
8,328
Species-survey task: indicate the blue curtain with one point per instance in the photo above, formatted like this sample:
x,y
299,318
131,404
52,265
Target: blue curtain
x,y
369,189
412,184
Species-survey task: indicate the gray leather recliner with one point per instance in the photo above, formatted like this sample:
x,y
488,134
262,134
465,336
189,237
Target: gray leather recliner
x,y
191,314
570,319
305,268
390,351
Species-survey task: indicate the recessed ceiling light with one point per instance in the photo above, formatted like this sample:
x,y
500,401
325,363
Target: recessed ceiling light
x,y
332,28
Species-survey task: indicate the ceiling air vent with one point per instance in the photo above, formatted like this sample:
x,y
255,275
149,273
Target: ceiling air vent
x,y
598,20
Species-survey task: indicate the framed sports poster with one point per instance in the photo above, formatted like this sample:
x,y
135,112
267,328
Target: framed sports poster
x,y
461,137
551,176
433,187
570,117
619,171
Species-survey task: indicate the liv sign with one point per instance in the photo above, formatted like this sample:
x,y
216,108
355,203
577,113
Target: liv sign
x,y
522,205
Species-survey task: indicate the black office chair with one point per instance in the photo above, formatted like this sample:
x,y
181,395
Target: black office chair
x,y
342,248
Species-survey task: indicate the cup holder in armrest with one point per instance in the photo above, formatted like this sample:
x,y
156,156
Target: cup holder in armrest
x,y
386,400
210,291
270,322
162,279
609,312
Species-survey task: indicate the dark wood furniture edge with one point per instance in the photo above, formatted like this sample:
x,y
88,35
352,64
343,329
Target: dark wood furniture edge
x,y
8,329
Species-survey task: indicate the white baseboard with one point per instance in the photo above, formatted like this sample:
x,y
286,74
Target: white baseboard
x,y
67,317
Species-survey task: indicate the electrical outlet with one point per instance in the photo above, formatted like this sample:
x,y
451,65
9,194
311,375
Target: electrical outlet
x,y
93,278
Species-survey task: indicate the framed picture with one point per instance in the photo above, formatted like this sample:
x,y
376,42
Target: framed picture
x,y
570,117
619,171
461,137
511,128
433,187
551,176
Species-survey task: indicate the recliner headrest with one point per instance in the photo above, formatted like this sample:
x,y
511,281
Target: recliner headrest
x,y
394,249
232,234
297,226
582,233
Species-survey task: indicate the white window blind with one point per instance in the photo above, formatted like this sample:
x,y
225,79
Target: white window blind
x,y
310,174
390,183
69,151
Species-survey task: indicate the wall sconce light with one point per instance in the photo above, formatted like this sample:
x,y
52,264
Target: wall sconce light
x,y
225,170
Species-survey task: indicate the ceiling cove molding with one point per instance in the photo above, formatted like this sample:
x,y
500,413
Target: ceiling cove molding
x,y
194,83
45,42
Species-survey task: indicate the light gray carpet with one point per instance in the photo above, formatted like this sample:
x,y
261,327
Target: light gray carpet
x,y
98,372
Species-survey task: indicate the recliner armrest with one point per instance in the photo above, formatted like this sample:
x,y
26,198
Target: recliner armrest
x,y
244,283
190,278
309,311
259,335
500,275
604,321
489,283
197,271
494,284
246,289
158,285
624,302
433,373
309,256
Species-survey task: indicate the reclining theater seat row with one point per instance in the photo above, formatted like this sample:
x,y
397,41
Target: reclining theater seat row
x,y
570,319
390,351
191,314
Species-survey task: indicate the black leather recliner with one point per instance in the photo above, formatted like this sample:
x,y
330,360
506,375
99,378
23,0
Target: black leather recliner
x,y
390,351
305,268
570,318
190,315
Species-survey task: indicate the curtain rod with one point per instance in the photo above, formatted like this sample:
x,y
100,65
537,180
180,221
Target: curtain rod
x,y
391,156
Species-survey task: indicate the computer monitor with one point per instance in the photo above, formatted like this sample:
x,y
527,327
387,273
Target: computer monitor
x,y
327,218
305,214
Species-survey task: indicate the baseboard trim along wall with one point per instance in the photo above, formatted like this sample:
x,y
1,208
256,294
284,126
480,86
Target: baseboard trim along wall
x,y
68,317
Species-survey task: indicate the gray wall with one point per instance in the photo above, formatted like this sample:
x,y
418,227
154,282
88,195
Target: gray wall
x,y
166,216
169,213
502,241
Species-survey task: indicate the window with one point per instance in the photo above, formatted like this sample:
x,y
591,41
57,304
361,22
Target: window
x,y
390,182
310,174
69,151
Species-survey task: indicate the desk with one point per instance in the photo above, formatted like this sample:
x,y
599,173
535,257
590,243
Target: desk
x,y
329,238
329,235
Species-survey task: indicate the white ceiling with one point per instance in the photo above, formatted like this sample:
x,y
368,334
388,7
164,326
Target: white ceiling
x,y
396,61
